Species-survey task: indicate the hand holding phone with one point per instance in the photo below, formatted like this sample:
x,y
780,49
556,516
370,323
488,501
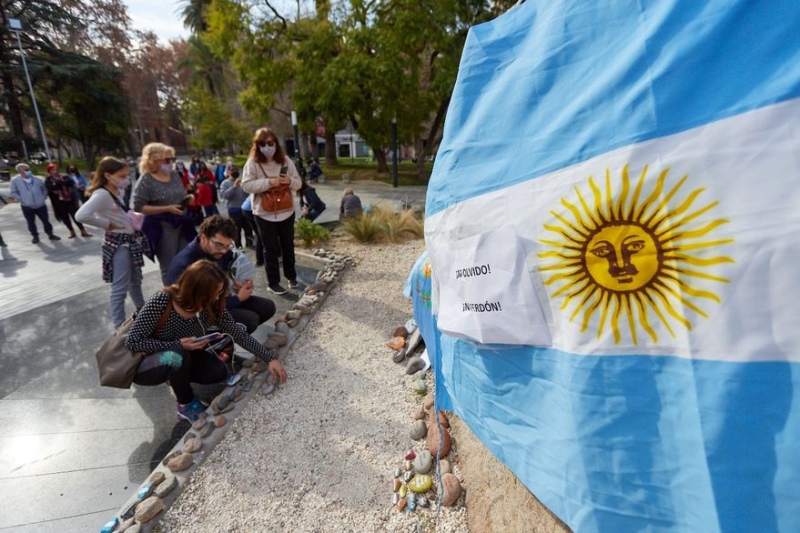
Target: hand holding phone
x,y
211,337
284,170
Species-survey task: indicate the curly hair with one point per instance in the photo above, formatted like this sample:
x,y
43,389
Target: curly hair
x,y
151,153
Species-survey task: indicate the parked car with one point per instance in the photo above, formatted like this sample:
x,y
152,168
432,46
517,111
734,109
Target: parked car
x,y
38,157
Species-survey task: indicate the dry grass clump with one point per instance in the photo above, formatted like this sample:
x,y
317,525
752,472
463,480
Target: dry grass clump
x,y
384,224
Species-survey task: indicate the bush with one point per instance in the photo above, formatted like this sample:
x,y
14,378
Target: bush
x,y
309,233
383,223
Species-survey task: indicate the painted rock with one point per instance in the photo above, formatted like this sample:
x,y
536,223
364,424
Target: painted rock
x,y
395,498
401,332
157,477
220,421
399,355
302,309
408,475
423,462
418,414
412,502
415,364
192,445
271,344
281,327
411,325
444,467
166,487
401,505
397,484
280,338
238,392
418,429
438,441
420,483
397,472
422,501
311,292
419,386
428,402
145,490
293,314
396,343
294,322
410,454
403,490
198,424
148,509
179,462
450,490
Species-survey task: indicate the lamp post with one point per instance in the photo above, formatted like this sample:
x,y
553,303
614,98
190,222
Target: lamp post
x,y
15,25
394,151
296,136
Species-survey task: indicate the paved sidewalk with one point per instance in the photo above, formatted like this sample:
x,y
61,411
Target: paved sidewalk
x,y
72,452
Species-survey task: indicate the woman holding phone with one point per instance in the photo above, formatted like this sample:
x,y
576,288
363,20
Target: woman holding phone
x,y
267,171
172,329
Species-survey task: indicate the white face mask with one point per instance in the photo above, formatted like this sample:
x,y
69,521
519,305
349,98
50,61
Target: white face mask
x,y
123,183
166,168
267,150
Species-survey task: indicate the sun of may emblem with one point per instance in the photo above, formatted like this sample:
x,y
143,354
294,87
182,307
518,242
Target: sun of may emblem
x,y
631,257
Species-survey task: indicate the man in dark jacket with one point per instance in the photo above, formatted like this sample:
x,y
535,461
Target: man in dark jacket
x,y
214,243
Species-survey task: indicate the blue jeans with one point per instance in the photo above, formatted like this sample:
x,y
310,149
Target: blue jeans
x,y
30,214
127,278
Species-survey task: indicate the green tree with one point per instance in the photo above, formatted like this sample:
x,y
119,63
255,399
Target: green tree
x,y
84,101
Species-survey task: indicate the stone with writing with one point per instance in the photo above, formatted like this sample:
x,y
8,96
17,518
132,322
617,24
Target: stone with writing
x,y
423,462
450,490
420,483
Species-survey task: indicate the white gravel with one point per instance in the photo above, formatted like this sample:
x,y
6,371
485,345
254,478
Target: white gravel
x,y
319,453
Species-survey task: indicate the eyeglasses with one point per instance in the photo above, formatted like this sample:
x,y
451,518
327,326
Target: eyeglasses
x,y
221,293
266,143
169,160
218,245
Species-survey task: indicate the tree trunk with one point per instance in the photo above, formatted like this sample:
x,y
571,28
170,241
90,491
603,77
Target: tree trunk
x,y
330,148
380,155
12,99
419,151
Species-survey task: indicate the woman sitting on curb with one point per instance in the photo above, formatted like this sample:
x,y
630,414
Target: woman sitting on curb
x,y
167,330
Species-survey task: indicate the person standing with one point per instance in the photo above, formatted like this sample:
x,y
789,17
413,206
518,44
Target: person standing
x,y
61,190
268,168
80,183
124,247
231,191
159,194
31,193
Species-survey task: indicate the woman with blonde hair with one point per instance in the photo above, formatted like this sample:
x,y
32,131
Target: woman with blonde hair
x,y
268,172
169,329
159,193
123,245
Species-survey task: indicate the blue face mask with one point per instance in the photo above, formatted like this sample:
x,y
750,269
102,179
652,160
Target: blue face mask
x,y
28,173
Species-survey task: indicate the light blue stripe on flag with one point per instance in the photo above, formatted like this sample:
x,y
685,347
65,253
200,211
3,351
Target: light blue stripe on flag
x,y
554,83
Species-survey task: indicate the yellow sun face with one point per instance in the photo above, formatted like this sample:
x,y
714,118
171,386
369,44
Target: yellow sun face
x,y
632,259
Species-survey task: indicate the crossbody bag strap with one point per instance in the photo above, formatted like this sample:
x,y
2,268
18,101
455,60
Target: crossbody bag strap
x,y
164,316
118,202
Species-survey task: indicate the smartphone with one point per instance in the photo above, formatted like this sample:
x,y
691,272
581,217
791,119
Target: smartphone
x,y
284,170
211,337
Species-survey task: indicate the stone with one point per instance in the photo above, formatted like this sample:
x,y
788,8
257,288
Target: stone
x,y
282,327
396,343
294,323
445,467
260,366
422,501
411,325
136,527
450,490
419,386
156,477
237,394
145,490
401,505
311,292
220,421
418,414
418,429
420,483
397,483
207,430
271,344
412,501
247,363
129,512
415,364
413,341
280,338
302,309
198,424
407,465
399,355
443,420
222,404
410,454
401,332
403,490
398,472
293,315
178,462
438,440
395,498
126,525
166,487
193,445
423,462
318,286
420,374
148,509
267,388
428,402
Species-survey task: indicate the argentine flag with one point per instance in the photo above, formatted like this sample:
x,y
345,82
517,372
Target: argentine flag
x,y
613,232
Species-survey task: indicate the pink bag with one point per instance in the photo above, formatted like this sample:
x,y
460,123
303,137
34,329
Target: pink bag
x,y
137,219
